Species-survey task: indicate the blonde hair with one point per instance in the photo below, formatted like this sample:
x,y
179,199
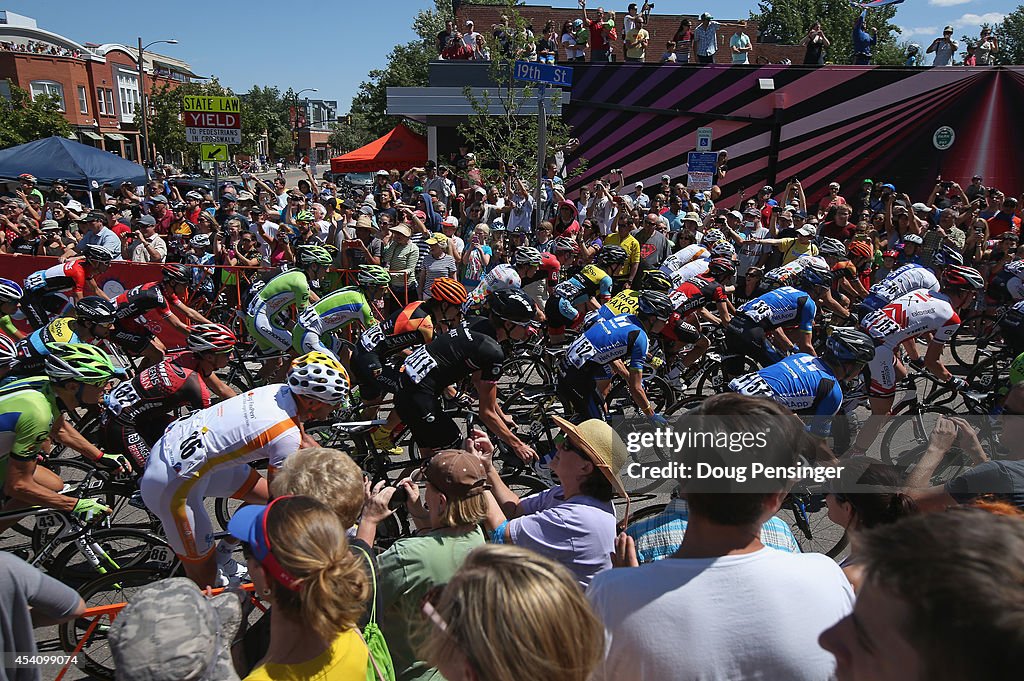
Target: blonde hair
x,y
484,227
505,600
309,542
468,511
327,475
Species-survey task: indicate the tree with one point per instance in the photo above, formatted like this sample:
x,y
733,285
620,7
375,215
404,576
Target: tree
x,y
1010,33
789,21
23,119
509,138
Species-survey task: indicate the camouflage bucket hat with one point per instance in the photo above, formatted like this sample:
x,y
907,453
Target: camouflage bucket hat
x,y
170,631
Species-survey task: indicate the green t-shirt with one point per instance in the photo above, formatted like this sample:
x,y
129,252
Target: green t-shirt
x,y
406,571
27,409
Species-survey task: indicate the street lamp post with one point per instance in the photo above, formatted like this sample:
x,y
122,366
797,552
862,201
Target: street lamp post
x,y
295,149
142,101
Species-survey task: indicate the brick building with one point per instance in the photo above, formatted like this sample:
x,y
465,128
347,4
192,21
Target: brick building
x,y
662,28
98,85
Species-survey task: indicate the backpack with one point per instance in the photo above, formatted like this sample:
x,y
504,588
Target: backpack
x,y
379,665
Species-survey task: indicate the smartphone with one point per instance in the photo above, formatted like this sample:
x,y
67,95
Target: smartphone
x,y
399,498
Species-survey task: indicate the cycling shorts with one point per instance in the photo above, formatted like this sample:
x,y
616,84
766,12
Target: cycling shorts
x,y
577,389
262,328
747,338
880,374
373,378
41,307
134,343
305,340
421,412
179,502
560,313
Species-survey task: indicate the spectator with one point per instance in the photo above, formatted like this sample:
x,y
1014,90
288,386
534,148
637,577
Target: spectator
x,y
669,56
438,263
519,205
866,495
706,39
401,257
831,200
547,44
600,45
27,242
52,242
144,244
443,37
59,192
452,507
476,258
817,42
683,40
654,247
516,599
944,48
575,37
916,572
739,45
28,599
725,606
469,37
986,49
623,237
839,226
299,561
171,631
1005,219
574,522
863,42
480,51
794,247
635,41
457,49
95,232
160,211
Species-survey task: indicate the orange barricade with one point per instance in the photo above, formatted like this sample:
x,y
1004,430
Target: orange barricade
x,y
124,275
96,615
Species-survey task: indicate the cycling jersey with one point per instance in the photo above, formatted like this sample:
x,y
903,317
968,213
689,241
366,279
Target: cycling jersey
x,y
608,340
591,281
328,315
207,454
32,351
7,326
801,382
286,289
683,256
143,305
788,274
1012,328
155,394
382,340
65,276
549,270
623,302
899,282
27,409
452,356
1008,284
689,271
695,293
502,278
781,307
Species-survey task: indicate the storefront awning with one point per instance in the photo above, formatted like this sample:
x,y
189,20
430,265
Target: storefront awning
x,y
91,135
116,137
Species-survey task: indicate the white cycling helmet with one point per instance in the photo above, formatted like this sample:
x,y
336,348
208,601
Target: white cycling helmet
x,y
8,352
320,377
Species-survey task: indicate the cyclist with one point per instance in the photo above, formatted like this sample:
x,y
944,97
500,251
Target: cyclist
x,y
10,296
845,265
334,312
156,393
699,266
692,253
93,321
30,413
691,299
444,305
598,351
148,306
756,329
1007,285
286,292
626,301
812,386
52,292
586,290
8,355
910,316
549,270
472,350
208,454
789,274
899,282
526,263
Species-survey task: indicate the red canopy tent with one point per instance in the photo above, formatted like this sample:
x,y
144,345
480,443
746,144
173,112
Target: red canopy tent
x,y
401,148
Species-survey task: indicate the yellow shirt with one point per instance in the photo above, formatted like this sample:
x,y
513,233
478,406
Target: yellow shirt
x,y
793,249
345,660
632,248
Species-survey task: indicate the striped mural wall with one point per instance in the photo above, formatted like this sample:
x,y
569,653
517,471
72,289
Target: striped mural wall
x,y
837,123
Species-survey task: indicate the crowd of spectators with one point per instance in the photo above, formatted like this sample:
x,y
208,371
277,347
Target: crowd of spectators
x,y
37,47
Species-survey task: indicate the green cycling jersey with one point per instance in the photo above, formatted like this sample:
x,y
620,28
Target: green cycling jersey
x,y
332,313
27,409
287,288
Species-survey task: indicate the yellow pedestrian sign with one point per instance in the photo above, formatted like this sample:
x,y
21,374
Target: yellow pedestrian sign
x,y
214,152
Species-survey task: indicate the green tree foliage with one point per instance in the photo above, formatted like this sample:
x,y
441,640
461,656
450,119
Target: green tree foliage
x,y
23,119
789,20
1010,33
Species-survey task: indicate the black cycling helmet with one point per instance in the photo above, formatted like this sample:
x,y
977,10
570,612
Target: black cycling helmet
x,y
850,345
176,273
655,304
511,305
721,267
95,310
610,255
655,280
97,253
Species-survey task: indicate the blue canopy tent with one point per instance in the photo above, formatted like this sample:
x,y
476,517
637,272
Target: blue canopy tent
x,y
84,167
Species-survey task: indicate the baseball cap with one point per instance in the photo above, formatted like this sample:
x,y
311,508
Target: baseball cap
x,y
159,198
170,631
74,206
147,220
699,196
245,196
833,184
912,239
666,177
751,211
438,238
110,208
450,221
807,230
736,214
383,172
456,473
921,208
638,185
95,215
249,524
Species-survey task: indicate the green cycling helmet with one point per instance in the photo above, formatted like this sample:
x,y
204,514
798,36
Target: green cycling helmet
x,y
373,275
305,216
80,362
314,255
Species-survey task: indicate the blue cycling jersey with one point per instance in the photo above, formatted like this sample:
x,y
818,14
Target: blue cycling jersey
x,y
609,340
785,305
801,382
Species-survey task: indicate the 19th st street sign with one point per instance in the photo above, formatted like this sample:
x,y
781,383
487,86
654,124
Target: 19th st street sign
x,y
212,120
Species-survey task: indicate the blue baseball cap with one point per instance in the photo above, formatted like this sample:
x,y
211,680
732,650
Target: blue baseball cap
x,y
249,524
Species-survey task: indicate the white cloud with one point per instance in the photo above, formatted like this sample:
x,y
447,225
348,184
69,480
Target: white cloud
x,y
907,32
947,3
976,20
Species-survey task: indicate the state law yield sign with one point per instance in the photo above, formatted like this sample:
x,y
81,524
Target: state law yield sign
x,y
212,120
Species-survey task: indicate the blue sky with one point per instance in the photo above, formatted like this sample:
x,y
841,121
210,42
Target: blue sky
x,y
331,45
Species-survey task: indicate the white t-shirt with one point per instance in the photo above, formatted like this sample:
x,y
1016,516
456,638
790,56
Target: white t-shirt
x,y
751,616
271,229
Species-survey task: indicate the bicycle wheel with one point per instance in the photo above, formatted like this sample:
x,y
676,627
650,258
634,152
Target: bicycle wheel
x,y
659,393
715,378
814,531
990,373
976,333
120,549
520,372
95,658
906,439
645,513
525,485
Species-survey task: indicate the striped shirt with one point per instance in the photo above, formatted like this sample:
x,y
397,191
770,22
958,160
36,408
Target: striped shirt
x,y
706,38
660,536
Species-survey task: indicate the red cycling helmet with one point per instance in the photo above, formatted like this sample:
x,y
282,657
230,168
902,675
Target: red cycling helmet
x,y
210,338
